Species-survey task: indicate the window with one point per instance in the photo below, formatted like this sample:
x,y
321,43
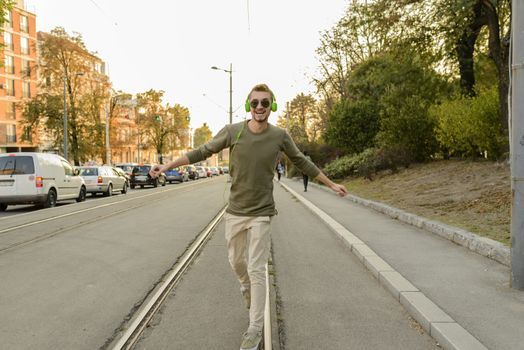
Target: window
x,y
28,134
17,165
9,19
68,169
24,45
11,133
26,89
26,69
9,65
24,24
9,87
8,41
10,110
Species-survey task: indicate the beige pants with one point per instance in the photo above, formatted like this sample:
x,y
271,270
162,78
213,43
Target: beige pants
x,y
248,244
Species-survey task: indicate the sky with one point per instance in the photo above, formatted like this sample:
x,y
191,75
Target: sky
x,y
172,45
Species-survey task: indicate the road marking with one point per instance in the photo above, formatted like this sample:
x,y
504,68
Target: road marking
x,y
88,209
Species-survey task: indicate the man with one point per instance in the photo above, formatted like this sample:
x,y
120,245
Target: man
x,y
255,145
305,177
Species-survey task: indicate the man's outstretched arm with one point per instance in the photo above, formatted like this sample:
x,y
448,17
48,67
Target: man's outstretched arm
x,y
215,145
184,160
337,188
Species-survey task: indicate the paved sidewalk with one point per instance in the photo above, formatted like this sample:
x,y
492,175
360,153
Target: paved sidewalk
x,y
470,288
328,299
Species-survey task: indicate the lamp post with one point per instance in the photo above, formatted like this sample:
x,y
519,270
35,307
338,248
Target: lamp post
x,y
108,149
230,71
517,146
65,118
141,110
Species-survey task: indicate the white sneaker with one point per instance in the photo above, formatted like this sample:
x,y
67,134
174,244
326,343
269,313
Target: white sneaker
x,y
251,340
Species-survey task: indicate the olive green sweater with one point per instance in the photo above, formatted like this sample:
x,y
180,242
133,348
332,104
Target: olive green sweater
x,y
252,162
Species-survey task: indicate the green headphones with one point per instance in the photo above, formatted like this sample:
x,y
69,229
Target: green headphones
x,y
273,104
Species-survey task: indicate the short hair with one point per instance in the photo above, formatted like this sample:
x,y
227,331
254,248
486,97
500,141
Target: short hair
x,y
262,88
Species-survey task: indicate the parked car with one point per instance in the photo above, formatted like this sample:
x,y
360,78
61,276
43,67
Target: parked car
x,y
103,179
122,173
127,167
192,172
220,170
225,169
140,177
208,171
214,171
176,174
38,178
202,173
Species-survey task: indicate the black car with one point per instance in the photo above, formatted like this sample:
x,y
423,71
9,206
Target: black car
x,y
140,177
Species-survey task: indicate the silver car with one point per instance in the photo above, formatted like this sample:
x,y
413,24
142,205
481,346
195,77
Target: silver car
x,y
103,179
202,174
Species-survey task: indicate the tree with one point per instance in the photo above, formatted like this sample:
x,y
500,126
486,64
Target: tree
x,y
302,120
5,6
365,30
353,125
65,60
45,112
460,27
179,116
202,135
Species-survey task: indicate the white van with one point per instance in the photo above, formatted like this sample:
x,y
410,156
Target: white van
x,y
38,178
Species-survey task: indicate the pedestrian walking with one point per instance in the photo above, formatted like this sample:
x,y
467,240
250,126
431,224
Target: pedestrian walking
x,y
255,146
280,169
305,177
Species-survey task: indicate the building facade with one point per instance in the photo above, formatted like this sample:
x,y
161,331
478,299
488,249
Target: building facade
x,y
17,79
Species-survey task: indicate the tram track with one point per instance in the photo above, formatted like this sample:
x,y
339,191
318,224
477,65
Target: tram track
x,y
130,332
41,221
71,226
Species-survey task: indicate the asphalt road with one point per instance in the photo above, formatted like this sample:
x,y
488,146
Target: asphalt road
x,y
69,282
328,300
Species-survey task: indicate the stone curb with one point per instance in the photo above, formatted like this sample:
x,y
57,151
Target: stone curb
x,y
439,325
480,245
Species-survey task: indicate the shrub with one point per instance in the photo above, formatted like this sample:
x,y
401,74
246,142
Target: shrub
x,y
470,126
369,162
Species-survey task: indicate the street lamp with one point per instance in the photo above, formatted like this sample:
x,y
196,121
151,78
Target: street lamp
x,y
65,110
141,110
108,147
230,71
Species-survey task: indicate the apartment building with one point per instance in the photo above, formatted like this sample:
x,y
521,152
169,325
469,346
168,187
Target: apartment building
x,y
17,78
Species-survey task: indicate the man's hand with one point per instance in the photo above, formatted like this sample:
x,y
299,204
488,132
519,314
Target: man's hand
x,y
155,171
339,189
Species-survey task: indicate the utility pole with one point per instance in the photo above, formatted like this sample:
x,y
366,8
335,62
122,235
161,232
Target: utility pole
x,y
231,93
65,117
108,149
517,145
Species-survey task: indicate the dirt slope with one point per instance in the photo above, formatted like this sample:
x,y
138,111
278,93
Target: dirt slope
x,y
475,196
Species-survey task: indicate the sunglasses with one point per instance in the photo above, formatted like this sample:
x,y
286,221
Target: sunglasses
x,y
265,103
